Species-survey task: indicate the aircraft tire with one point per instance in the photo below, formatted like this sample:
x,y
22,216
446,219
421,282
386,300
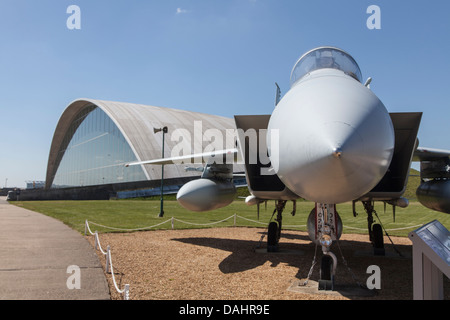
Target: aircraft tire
x,y
272,237
378,241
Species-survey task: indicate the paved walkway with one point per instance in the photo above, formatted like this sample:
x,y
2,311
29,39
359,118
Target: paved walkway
x,y
35,253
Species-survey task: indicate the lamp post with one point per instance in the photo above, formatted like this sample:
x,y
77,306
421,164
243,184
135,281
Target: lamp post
x,y
164,131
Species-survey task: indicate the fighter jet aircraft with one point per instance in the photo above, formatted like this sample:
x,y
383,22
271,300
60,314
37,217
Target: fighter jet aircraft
x,y
330,140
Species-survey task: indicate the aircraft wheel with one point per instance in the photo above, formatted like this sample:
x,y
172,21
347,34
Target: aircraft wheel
x,y
279,231
272,237
378,241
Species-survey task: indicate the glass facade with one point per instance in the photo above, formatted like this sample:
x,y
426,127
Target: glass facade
x,y
94,152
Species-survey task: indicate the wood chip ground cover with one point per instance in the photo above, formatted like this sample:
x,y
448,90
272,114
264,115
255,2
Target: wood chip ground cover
x,y
222,264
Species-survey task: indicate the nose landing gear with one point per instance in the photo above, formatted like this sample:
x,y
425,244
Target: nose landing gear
x,y
327,228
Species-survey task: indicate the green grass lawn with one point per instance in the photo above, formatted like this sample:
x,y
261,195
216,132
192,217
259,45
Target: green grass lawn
x,y
134,214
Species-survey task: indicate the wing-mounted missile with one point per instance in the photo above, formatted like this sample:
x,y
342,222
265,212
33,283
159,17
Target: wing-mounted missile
x,y
251,200
214,190
434,190
435,195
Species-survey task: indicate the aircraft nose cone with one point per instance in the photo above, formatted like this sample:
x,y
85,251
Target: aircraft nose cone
x,y
336,140
332,165
331,154
337,152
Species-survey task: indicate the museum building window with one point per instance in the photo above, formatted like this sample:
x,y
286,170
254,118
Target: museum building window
x,y
94,152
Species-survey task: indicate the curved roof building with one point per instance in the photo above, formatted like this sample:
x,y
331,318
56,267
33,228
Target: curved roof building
x,y
94,140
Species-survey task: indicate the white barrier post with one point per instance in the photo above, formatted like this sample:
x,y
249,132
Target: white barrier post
x,y
96,239
109,266
173,225
234,225
126,292
107,258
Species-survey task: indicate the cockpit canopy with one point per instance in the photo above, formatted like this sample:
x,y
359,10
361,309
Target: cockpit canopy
x,y
325,57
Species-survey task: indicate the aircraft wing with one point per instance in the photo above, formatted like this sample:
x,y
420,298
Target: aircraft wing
x,y
197,158
429,154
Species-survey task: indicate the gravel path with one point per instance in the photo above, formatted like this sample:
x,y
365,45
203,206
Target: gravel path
x,y
221,263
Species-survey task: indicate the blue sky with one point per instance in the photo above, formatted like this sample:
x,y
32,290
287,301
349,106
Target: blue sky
x,y
214,56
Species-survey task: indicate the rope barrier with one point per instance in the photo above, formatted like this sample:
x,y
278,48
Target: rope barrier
x,y
405,228
185,222
396,229
121,229
173,219
126,291
252,220
203,224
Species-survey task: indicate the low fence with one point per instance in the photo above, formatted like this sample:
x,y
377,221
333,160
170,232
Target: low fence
x,y
173,220
109,266
126,290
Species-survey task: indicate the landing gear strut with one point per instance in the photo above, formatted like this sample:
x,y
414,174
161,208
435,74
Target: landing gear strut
x,y
375,230
274,231
326,226
327,271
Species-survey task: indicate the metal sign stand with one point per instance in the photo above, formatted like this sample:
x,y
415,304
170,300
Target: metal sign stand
x,y
431,260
